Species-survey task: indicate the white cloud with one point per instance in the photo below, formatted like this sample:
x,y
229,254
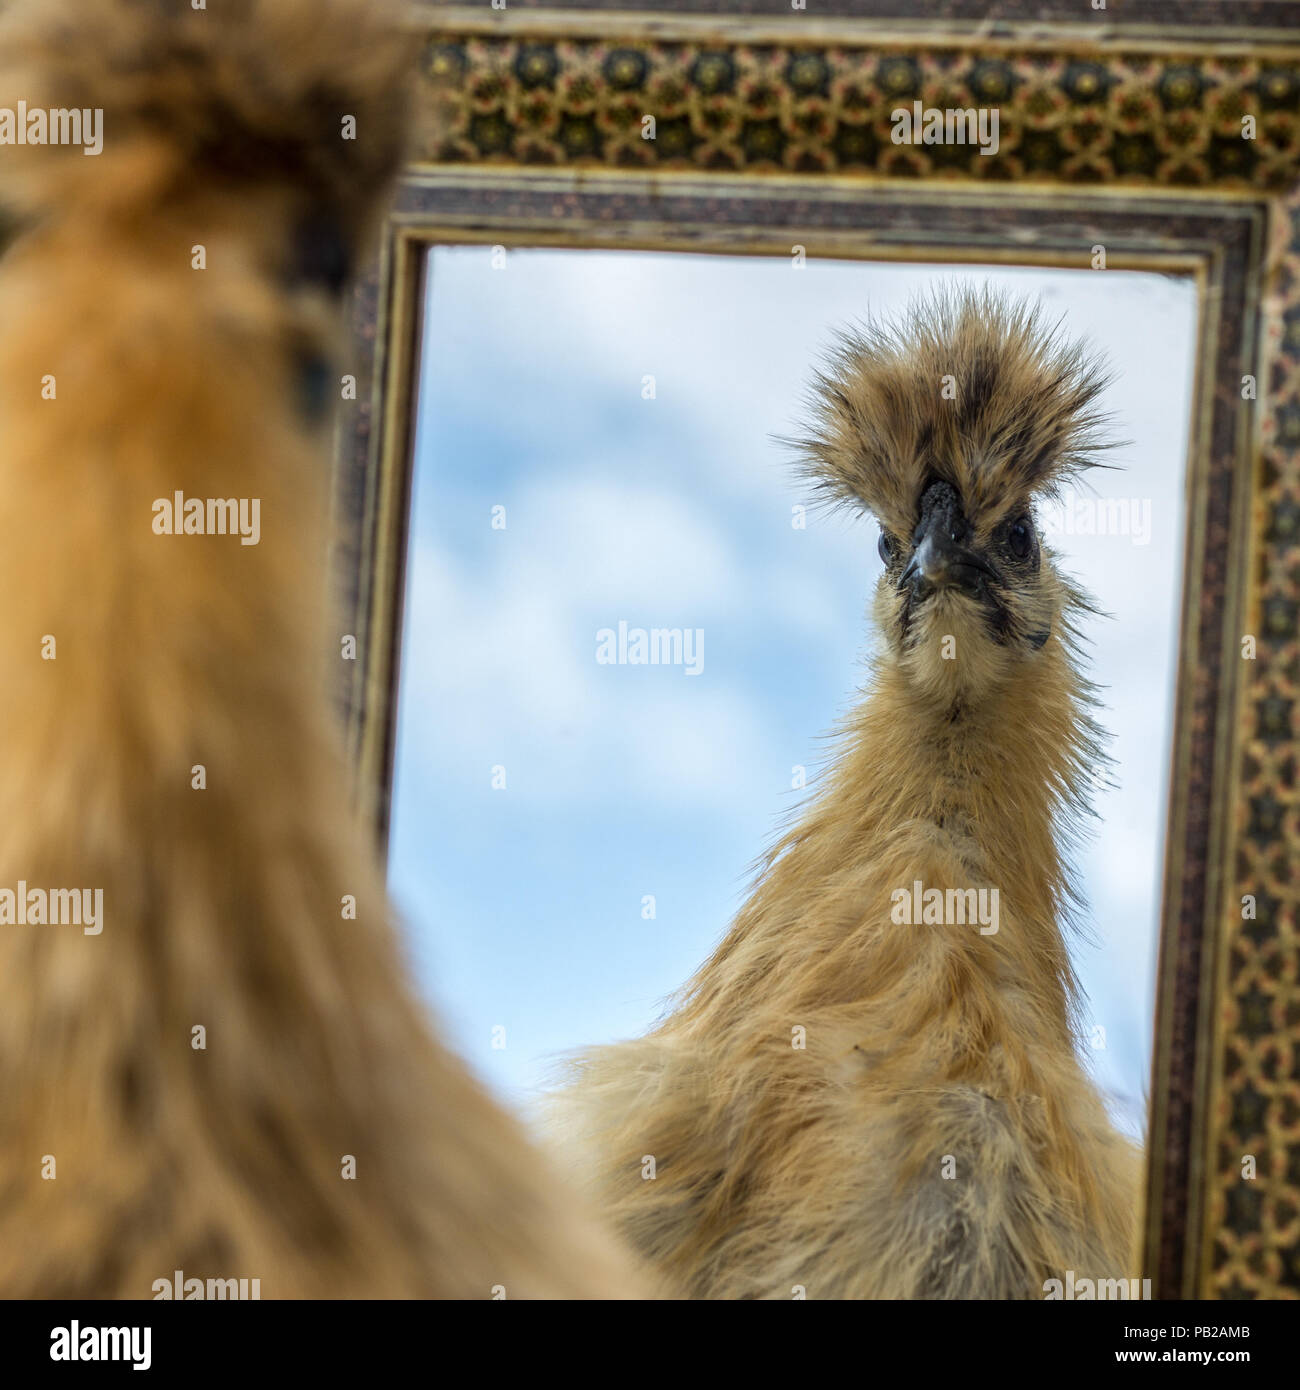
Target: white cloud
x,y
501,659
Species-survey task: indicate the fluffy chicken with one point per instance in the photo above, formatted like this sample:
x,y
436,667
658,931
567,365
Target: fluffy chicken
x,y
871,1088
231,1075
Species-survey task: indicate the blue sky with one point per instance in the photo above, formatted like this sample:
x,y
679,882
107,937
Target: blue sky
x,y
523,905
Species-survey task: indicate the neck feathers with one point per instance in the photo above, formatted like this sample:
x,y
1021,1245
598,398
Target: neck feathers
x,y
981,803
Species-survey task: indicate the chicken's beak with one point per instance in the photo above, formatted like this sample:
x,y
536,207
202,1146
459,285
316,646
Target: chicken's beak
x,y
940,560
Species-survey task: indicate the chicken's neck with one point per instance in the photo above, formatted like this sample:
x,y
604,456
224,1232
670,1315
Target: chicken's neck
x,y
928,874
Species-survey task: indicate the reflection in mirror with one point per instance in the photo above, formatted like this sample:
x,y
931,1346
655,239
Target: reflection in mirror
x,y
597,454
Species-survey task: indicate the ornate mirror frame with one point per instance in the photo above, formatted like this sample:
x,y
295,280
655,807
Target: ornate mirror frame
x,y
1121,128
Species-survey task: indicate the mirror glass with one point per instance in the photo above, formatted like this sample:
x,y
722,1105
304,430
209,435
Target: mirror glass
x,y
597,452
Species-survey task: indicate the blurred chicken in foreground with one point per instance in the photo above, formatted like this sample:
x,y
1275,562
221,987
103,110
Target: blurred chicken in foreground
x,y
191,1079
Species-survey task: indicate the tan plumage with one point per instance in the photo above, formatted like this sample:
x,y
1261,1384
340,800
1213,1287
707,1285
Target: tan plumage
x,y
222,907
935,1134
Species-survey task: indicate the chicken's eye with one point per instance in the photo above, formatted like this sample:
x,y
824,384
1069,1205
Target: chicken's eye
x,y
1020,539
887,546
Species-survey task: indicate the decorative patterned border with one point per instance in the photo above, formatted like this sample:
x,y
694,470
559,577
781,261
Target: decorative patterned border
x,y
1254,1010
1173,119
1116,136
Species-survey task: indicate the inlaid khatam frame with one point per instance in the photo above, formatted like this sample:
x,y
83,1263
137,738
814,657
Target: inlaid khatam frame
x,y
1121,128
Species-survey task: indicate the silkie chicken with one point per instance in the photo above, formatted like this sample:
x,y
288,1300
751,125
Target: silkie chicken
x,y
871,1088
230,1075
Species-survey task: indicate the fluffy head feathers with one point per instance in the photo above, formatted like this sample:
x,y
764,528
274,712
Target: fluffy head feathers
x,y
947,426
970,388
246,99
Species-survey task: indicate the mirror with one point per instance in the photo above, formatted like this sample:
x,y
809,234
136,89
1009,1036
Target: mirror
x,y
595,454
